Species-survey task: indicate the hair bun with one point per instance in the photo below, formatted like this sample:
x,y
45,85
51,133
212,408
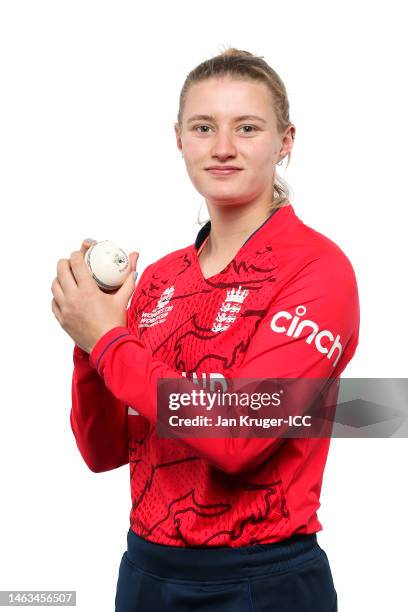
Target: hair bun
x,y
232,52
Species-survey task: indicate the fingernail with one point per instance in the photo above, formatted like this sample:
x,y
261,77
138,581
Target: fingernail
x,y
135,275
89,240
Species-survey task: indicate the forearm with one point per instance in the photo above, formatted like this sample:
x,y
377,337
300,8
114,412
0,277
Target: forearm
x,y
131,372
98,419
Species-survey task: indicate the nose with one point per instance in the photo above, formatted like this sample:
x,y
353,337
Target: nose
x,y
223,145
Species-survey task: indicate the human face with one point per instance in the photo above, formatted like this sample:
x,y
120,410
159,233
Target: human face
x,y
225,138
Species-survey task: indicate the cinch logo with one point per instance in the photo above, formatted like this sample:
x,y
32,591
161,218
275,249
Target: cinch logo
x,y
296,327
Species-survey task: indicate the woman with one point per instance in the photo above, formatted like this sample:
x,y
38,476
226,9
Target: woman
x,y
220,523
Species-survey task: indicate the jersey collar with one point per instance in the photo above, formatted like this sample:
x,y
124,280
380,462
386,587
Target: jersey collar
x,y
277,221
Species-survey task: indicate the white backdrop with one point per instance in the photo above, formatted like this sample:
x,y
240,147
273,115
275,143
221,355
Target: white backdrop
x,y
89,96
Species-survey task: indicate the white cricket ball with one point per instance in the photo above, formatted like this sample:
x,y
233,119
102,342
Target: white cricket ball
x,y
108,263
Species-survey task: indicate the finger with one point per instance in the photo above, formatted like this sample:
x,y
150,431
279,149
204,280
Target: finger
x,y
57,292
125,291
65,276
88,242
56,310
81,273
133,258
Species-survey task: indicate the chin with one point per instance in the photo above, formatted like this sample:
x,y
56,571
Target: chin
x,y
225,199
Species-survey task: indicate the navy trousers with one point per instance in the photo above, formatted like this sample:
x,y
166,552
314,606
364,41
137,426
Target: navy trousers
x,y
289,576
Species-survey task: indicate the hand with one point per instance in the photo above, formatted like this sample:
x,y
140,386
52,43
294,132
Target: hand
x,y
83,310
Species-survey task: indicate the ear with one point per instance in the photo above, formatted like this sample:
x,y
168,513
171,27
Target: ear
x,y
178,136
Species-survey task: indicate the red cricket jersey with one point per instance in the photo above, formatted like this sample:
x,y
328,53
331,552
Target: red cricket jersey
x,y
286,306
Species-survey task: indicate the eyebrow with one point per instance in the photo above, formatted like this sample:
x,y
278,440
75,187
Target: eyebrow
x,y
212,118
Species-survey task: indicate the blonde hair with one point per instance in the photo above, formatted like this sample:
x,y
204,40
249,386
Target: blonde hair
x,y
244,65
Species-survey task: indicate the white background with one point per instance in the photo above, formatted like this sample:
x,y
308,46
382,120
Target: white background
x,y
89,96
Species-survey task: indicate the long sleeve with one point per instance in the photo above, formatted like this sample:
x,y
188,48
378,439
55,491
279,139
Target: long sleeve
x,y
309,330
98,418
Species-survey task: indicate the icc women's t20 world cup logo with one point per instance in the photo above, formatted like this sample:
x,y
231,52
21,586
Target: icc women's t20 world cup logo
x,y
161,310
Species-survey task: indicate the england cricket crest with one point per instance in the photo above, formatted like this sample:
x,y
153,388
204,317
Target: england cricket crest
x,y
161,310
229,309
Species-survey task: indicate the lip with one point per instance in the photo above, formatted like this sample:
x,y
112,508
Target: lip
x,y
223,170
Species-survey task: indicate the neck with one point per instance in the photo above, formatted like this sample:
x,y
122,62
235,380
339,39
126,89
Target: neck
x,y
231,226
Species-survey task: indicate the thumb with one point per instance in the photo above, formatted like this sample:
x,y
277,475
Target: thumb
x,y
127,288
